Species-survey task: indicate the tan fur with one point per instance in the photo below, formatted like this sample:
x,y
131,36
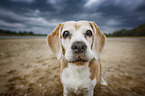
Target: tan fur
x,y
64,64
54,41
94,70
99,39
77,26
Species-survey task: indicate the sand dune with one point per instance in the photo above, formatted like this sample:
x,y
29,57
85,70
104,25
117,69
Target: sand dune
x,y
28,68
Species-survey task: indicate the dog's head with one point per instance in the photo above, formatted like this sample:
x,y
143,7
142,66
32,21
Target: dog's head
x,y
78,41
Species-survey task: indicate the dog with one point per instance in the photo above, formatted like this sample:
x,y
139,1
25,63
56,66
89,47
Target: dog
x,y
78,46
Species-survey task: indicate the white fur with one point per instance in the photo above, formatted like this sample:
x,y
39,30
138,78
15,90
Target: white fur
x,y
77,35
76,79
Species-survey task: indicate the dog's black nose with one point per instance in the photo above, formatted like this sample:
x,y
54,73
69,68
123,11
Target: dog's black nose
x,y
79,47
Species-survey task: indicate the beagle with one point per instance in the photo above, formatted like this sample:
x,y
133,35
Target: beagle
x,y
78,46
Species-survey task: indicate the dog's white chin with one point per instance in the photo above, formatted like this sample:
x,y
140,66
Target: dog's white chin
x,y
70,57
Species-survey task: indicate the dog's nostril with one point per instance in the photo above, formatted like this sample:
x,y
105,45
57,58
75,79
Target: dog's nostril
x,y
84,47
74,47
79,47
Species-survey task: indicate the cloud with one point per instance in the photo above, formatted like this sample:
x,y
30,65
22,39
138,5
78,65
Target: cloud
x,y
22,23
11,25
113,22
41,16
128,4
27,1
52,1
92,2
107,29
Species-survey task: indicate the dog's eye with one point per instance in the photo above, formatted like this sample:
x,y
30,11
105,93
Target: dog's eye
x,y
66,34
88,33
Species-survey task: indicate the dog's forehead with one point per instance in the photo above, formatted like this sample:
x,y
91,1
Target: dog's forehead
x,y
76,25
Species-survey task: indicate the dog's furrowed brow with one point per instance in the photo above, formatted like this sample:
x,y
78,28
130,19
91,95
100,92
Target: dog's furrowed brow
x,y
77,26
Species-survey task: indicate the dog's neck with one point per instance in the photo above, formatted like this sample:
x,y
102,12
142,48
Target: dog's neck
x,y
92,64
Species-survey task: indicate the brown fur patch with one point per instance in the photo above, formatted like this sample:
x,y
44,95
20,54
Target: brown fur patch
x,y
101,36
94,70
64,64
77,26
99,39
79,64
53,40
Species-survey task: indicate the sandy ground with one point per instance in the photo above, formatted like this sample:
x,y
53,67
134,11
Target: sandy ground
x,y
28,68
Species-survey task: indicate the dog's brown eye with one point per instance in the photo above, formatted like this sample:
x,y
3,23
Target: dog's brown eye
x,y
66,34
88,33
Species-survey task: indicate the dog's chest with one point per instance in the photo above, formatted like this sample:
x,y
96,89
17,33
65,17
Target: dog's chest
x,y
77,78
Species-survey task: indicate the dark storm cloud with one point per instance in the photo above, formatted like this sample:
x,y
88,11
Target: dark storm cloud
x,y
41,16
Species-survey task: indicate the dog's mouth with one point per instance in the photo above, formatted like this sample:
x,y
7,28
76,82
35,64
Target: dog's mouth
x,y
79,60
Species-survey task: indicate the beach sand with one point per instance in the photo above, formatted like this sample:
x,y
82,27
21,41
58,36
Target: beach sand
x,y
28,68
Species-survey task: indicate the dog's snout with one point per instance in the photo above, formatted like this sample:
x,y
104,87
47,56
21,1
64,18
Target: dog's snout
x,y
79,47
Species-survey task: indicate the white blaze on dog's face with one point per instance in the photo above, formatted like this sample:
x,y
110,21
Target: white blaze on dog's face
x,y
77,34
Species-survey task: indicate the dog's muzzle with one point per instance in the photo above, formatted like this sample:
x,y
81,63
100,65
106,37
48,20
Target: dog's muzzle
x,y
79,52
79,47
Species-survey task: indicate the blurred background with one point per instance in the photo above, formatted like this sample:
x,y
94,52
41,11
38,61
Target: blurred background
x,y
28,67
41,16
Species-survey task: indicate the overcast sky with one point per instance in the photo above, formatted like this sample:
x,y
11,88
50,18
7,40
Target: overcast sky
x,y
42,16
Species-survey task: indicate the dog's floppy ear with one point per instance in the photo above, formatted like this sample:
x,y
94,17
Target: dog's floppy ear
x,y
99,40
53,41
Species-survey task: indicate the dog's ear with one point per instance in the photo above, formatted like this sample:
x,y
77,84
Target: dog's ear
x,y
53,41
99,40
